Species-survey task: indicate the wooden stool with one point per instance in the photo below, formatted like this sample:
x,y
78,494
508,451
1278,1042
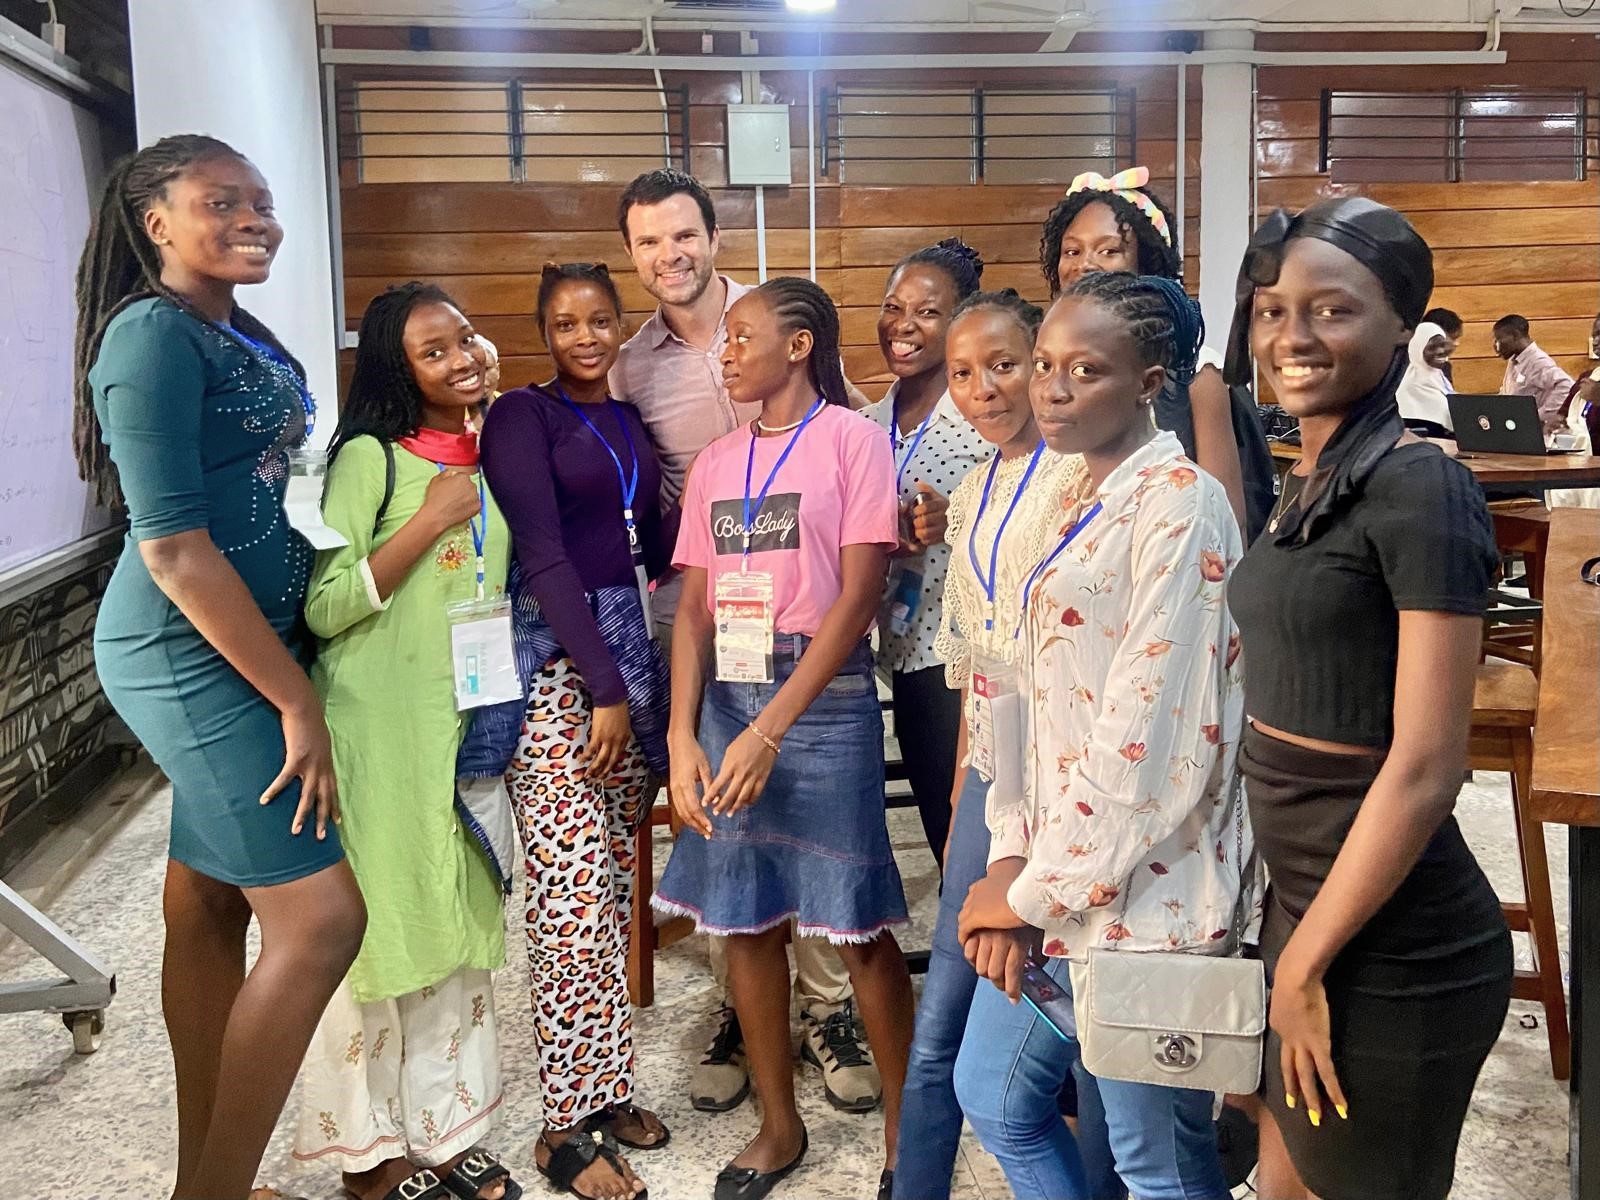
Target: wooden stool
x,y
1514,626
1503,706
648,937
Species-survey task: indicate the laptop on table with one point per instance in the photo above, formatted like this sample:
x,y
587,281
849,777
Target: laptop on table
x,y
1498,424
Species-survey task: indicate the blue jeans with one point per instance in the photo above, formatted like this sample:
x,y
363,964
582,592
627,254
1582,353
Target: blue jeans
x,y
1008,1074
930,1118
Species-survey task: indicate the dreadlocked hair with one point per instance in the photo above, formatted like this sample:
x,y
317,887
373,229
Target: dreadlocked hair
x,y
121,265
955,258
800,304
384,400
1026,314
1155,256
555,274
1165,323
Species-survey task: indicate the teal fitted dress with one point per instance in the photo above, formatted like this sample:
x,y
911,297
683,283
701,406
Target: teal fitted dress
x,y
199,426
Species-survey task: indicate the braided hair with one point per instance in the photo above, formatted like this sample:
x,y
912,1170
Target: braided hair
x,y
955,258
121,265
800,304
1025,313
384,400
555,274
1155,256
1165,323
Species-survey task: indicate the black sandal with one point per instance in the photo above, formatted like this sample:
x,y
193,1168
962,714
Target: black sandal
x,y
422,1184
573,1156
477,1171
604,1122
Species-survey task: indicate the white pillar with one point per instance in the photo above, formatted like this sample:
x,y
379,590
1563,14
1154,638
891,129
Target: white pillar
x,y
1226,171
251,78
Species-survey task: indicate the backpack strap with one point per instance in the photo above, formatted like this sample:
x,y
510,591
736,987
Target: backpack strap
x,y
388,487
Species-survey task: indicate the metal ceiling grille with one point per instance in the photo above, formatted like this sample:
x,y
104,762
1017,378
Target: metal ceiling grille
x,y
1456,136
964,135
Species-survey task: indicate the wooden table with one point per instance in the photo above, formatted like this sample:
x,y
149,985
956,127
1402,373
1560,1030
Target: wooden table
x,y
1566,791
1539,472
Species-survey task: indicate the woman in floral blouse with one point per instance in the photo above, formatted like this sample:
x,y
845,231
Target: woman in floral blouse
x,y
1123,832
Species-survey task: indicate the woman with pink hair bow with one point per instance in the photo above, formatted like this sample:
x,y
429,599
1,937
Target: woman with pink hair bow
x,y
1118,224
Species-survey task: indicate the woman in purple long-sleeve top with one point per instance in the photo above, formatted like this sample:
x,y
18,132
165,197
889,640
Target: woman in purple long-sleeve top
x,y
578,481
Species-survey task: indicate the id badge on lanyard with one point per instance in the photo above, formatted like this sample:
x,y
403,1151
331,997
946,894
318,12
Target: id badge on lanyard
x,y
743,612
905,597
995,738
481,649
302,500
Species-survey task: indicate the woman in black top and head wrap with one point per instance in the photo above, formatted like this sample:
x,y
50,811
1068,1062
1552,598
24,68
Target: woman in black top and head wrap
x,y
1360,610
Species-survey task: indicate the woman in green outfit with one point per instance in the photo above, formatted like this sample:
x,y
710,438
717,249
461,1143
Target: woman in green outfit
x,y
404,1070
199,644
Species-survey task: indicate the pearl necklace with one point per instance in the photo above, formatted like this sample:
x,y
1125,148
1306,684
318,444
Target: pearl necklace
x,y
765,428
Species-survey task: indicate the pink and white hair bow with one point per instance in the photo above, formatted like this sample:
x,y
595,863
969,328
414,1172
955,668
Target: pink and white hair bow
x,y
1127,184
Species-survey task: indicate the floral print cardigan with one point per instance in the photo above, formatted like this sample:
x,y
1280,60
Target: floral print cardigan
x,y
1130,816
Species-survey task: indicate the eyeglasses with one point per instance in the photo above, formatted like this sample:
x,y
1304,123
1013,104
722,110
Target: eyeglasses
x,y
1590,571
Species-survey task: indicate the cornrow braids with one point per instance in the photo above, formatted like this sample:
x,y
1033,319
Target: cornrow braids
x,y
384,400
800,304
555,274
1025,313
1165,323
120,265
955,258
1156,257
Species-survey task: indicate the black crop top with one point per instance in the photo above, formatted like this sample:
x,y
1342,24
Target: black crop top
x,y
1320,621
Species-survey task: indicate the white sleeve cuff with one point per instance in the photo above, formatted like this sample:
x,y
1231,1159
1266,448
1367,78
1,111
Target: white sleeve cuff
x,y
379,604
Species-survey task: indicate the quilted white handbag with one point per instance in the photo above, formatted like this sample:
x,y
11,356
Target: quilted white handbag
x,y
1177,1020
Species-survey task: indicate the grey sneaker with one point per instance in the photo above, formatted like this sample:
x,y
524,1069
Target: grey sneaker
x,y
721,1081
834,1041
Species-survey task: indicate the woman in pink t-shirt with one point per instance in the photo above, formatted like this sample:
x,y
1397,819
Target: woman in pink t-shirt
x,y
776,737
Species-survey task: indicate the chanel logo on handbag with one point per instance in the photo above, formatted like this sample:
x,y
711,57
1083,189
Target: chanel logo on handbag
x,y
1175,1052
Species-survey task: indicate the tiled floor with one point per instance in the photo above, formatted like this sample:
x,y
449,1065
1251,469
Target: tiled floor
x,y
101,1127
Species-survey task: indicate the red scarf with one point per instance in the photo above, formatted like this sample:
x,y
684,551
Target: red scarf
x,y
451,449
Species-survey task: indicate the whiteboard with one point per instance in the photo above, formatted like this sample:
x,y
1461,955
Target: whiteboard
x,y
50,166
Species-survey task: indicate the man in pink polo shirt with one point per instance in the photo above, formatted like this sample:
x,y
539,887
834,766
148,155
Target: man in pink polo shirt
x,y
671,371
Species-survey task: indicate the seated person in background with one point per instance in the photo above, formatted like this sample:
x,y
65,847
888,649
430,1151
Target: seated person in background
x,y
1530,371
1424,392
1447,320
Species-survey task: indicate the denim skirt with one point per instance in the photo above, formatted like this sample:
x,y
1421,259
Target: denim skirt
x,y
814,846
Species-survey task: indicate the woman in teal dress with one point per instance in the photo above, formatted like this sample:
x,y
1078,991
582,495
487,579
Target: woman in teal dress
x,y
403,1077
185,410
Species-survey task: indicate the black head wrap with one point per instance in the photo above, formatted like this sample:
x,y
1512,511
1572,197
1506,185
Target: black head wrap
x,y
1384,242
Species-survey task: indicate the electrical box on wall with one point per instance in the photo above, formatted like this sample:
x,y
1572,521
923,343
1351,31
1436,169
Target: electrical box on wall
x,y
758,144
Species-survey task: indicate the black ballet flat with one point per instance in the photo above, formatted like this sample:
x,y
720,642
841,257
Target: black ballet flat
x,y
746,1183
886,1185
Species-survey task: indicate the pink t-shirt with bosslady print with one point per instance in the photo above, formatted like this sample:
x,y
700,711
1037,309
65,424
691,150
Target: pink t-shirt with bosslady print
x,y
835,489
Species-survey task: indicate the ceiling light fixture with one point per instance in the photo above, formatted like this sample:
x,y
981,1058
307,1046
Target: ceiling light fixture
x,y
810,6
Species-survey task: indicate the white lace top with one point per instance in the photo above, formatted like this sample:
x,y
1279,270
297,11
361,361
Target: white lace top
x,y
1056,495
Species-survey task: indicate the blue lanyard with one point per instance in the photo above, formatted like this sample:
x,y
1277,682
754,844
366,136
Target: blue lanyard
x,y
478,525
1027,588
916,440
988,584
628,483
749,469
272,356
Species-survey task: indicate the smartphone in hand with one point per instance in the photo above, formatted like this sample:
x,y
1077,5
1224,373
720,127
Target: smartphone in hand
x,y
1049,999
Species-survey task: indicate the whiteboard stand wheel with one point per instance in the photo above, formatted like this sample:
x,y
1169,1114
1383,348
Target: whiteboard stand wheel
x,y
86,1030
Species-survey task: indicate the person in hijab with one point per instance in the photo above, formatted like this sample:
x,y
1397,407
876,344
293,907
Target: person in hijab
x,y
1424,392
1389,958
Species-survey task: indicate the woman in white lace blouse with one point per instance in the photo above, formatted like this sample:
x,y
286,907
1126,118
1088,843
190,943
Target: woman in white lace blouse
x,y
1003,518
1122,831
